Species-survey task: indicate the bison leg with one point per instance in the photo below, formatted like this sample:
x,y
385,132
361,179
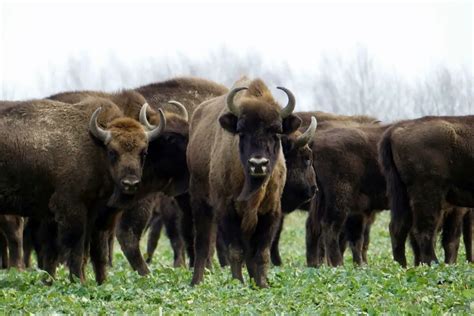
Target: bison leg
x,y
47,249
427,215
204,225
187,225
71,217
365,245
129,232
258,249
111,243
275,251
14,233
99,246
314,242
333,224
399,227
354,230
368,225
172,231
467,234
4,250
153,236
222,250
31,227
230,235
451,236
416,250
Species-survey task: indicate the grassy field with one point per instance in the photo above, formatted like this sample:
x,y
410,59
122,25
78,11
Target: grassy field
x,y
381,287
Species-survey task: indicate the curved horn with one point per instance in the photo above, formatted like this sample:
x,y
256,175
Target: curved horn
x,y
290,107
143,119
303,139
156,131
96,130
230,101
182,108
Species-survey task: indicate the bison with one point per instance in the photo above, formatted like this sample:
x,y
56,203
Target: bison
x,y
166,163
427,164
300,185
11,241
57,161
238,173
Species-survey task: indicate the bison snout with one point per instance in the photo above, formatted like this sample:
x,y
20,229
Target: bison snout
x,y
130,184
258,166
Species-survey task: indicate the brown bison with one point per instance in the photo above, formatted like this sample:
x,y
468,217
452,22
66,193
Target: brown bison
x,y
351,190
52,167
427,163
11,241
237,175
326,121
165,163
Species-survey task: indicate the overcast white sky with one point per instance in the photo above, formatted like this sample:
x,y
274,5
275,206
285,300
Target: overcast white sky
x,y
408,37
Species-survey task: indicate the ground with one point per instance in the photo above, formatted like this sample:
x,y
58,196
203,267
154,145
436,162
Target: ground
x,y
381,287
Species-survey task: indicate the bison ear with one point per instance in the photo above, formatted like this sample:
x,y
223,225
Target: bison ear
x,y
290,124
228,122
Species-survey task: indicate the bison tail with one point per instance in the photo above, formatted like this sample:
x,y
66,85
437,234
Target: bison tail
x,y
396,188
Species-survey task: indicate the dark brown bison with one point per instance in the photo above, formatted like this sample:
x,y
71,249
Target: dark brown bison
x,y
11,241
351,190
165,163
428,165
326,121
59,161
237,175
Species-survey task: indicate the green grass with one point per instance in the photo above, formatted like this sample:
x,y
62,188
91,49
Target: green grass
x,y
381,287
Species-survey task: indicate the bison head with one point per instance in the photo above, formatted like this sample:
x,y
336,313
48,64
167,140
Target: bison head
x,y
167,156
300,183
126,143
259,123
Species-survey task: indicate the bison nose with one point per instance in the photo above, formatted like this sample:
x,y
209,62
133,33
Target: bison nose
x,y
258,166
130,185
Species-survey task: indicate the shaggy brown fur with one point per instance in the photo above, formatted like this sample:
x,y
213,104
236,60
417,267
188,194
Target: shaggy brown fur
x,y
189,91
166,162
221,187
11,229
351,189
428,164
50,166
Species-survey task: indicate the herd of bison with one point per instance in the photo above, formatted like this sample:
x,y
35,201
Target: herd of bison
x,y
220,168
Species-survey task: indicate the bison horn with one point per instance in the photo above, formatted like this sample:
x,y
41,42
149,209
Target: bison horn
x,y
96,130
182,108
143,119
290,107
154,131
234,109
305,138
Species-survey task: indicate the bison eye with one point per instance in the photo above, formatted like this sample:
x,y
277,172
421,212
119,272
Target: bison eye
x,y
113,155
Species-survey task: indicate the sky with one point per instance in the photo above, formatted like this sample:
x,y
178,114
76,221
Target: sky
x,y
409,37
